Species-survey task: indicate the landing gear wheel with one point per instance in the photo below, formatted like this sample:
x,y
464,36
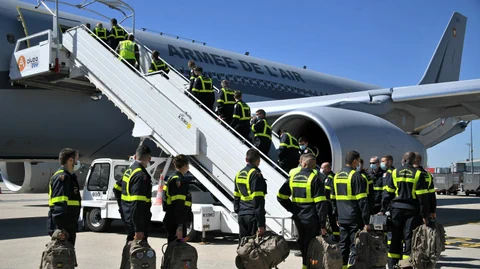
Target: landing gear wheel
x,y
95,222
192,235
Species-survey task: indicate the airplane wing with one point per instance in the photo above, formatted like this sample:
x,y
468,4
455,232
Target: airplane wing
x,y
430,112
453,98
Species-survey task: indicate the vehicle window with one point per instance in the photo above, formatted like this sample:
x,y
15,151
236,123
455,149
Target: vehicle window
x,y
159,171
99,177
118,171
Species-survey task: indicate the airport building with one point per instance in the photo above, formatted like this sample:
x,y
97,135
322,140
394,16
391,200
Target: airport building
x,y
466,166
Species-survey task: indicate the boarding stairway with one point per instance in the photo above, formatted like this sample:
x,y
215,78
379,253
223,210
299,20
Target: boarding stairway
x,y
164,112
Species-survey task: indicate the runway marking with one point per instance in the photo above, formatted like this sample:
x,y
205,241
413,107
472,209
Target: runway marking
x,y
462,242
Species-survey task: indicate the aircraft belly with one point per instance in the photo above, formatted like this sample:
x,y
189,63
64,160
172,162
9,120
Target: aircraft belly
x,y
38,123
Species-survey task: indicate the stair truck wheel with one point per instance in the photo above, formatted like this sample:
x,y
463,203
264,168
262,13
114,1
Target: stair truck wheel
x,y
95,222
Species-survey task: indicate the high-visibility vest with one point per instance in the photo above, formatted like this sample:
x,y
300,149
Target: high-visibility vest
x,y
292,142
118,33
101,33
242,180
227,97
404,178
158,65
267,130
344,178
57,199
173,198
127,50
126,179
245,112
301,188
207,85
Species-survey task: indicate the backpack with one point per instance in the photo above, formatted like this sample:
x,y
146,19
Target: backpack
x,y
179,255
372,251
59,253
323,253
142,255
428,242
264,252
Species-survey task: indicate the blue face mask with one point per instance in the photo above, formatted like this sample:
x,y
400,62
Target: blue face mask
x,y
373,166
383,166
303,147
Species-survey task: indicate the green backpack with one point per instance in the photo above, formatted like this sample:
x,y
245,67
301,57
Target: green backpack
x,y
323,253
142,256
263,252
428,242
59,253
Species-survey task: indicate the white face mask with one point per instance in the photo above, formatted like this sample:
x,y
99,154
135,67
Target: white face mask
x,y
321,170
358,168
77,166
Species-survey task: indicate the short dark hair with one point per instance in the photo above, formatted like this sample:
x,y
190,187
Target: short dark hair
x,y
66,154
237,94
261,111
143,152
351,156
155,53
113,21
253,155
303,139
180,161
361,161
131,37
409,157
388,157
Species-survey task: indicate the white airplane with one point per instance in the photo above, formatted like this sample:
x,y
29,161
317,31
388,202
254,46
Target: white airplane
x,y
332,112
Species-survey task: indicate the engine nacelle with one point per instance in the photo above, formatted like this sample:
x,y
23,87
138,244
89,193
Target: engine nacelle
x,y
336,131
26,177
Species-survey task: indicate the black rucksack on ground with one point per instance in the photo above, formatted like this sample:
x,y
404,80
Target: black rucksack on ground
x,y
372,250
179,255
142,256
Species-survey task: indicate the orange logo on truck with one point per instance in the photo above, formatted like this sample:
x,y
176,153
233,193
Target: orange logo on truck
x,y
22,63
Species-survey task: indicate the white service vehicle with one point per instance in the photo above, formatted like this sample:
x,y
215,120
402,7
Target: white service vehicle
x,y
99,206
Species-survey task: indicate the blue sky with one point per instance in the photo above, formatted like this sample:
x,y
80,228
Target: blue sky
x,y
388,43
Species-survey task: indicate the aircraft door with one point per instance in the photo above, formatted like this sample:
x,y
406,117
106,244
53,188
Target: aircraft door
x,y
38,20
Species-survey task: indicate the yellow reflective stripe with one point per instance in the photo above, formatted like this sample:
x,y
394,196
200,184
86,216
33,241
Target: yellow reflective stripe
x,y
226,92
378,188
204,89
283,196
265,129
360,196
236,116
178,197
305,184
73,203
404,257
241,178
188,203
51,201
336,233
304,266
388,189
328,188
59,199
345,267
420,192
319,199
117,187
236,194
126,178
431,191
132,198
394,256
340,179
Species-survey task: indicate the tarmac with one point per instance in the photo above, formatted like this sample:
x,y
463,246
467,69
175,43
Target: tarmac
x,y
23,237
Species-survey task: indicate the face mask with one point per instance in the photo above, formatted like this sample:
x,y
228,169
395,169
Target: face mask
x,y
303,147
383,166
358,168
321,170
373,166
77,166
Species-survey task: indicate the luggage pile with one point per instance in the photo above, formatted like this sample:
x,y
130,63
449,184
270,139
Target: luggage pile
x,y
264,252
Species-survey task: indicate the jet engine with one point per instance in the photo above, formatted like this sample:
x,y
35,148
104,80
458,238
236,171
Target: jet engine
x,y
336,131
32,177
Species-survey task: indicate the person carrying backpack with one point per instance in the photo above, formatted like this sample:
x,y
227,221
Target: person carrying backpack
x,y
407,191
